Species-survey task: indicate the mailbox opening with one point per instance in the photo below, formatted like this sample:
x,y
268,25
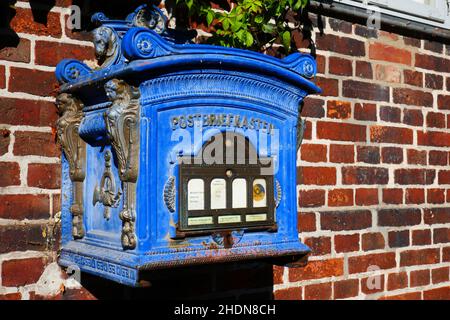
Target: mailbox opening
x,y
226,186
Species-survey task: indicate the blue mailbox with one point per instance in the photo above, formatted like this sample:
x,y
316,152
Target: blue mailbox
x,y
177,154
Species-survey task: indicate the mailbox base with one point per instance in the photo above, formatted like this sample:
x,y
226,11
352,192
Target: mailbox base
x,y
124,267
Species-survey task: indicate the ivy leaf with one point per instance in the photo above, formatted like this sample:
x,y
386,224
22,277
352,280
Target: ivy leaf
x,y
226,24
209,17
248,39
286,37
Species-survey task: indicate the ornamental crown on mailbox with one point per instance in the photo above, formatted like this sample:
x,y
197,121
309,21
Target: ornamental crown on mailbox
x,y
177,154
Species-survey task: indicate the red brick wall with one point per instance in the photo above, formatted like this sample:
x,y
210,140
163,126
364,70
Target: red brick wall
x,y
373,176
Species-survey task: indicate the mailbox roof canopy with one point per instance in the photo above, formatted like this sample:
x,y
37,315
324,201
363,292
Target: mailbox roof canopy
x,y
135,47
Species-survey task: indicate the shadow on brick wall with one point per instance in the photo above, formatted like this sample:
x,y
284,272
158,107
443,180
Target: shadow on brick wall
x,y
231,281
8,38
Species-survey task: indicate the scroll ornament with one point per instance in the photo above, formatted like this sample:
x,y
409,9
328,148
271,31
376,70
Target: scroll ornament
x,y
122,120
74,149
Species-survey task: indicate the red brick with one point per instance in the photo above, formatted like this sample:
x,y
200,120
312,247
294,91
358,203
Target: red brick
x,y
50,53
430,62
437,294
366,197
364,175
346,243
437,215
311,198
278,272
436,196
340,25
433,46
12,278
28,112
405,296
346,288
417,157
340,197
288,294
441,235
366,111
412,77
440,275
368,154
419,278
338,109
10,174
2,77
398,239
24,22
364,70
342,153
392,155
415,196
313,108
330,87
373,241
46,176
373,284
18,53
306,222
397,281
5,139
414,176
434,81
444,102
308,131
387,73
313,152
421,237
24,206
444,177
321,62
393,196
35,143
412,42
448,83
25,80
435,120
317,269
419,257
343,45
346,220
413,117
380,51
341,131
361,264
21,238
321,291
433,138
10,296
399,217
317,175
390,114
365,90
413,97
382,134
438,158
339,66
319,245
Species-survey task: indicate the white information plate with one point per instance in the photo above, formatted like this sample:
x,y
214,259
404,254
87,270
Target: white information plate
x,y
229,219
239,188
218,194
199,221
196,194
256,217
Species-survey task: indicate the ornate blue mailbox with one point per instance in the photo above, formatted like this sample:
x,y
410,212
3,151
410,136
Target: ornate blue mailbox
x,y
177,154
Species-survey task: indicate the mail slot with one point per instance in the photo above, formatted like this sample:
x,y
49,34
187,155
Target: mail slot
x,y
177,154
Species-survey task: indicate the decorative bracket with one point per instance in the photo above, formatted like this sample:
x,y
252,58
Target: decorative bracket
x,y
301,125
122,124
106,193
74,149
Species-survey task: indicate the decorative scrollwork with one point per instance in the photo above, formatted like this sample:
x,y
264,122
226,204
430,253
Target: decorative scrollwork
x,y
106,193
169,194
69,70
279,193
75,152
122,124
107,46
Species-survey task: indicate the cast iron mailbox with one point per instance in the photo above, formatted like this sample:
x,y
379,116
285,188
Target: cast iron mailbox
x,y
177,154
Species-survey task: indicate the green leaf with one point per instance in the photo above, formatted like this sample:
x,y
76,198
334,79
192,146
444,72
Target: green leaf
x,y
248,39
226,24
189,3
268,28
286,37
259,19
209,17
